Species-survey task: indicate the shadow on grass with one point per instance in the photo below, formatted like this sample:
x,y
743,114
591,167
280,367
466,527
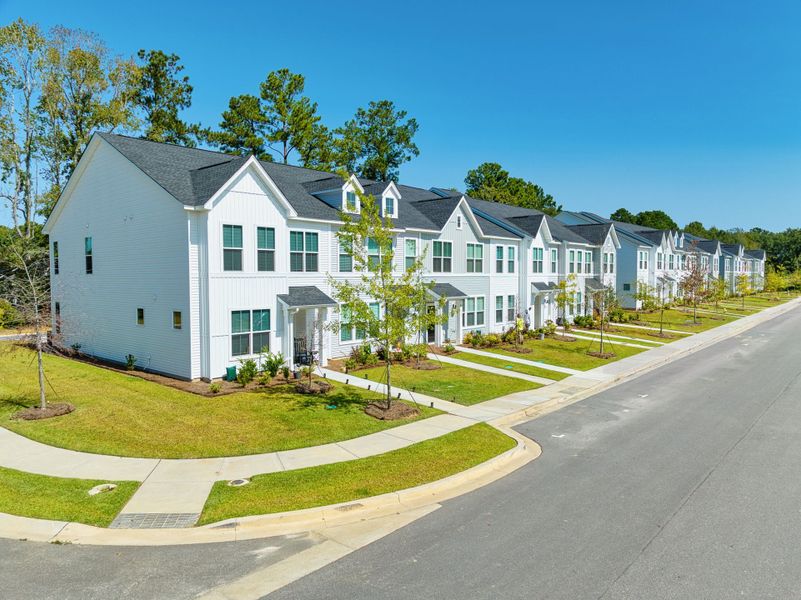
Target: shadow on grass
x,y
17,402
349,401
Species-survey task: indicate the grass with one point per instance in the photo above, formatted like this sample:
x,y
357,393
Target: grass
x,y
639,335
450,382
61,499
125,415
342,482
682,321
499,363
573,355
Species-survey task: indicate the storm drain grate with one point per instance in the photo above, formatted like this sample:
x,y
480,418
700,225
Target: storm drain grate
x,y
154,520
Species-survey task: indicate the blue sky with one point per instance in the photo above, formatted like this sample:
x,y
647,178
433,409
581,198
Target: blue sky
x,y
691,107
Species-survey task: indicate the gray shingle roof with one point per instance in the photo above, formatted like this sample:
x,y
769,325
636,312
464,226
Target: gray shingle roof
x,y
594,233
561,233
306,295
593,284
446,290
757,253
542,286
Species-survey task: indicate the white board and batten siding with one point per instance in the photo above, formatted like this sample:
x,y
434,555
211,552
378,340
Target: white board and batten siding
x,y
140,238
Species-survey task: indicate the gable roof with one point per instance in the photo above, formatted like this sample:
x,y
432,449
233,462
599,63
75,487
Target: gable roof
x,y
562,233
757,253
595,234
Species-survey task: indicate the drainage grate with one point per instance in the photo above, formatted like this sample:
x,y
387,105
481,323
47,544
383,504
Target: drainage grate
x,y
154,520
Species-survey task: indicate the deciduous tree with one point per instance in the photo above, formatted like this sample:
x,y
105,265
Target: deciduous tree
x,y
490,181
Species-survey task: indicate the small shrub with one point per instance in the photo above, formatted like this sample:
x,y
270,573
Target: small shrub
x,y
381,353
9,316
467,338
247,372
550,327
130,362
350,364
285,372
215,387
272,363
477,340
509,336
265,378
491,340
448,348
583,321
618,315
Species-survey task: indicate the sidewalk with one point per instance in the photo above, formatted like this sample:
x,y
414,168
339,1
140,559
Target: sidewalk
x,y
178,488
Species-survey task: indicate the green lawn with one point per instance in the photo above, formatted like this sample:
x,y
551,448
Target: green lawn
x,y
573,355
125,415
61,499
510,366
450,382
682,321
638,335
341,482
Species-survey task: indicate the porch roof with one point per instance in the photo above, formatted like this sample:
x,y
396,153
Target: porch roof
x,y
305,296
593,285
542,286
446,290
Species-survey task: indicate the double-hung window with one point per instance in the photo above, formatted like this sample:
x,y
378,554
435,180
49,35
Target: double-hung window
x,y
389,206
670,261
87,255
250,335
499,259
410,253
510,307
55,258
606,262
345,257
572,261
473,313
579,267
554,260
350,201
578,302
611,262
475,258
303,250
588,262
373,253
265,248
443,252
349,331
499,309
510,259
232,247
658,260
537,260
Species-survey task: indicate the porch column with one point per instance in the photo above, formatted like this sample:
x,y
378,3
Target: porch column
x,y
458,339
290,336
322,315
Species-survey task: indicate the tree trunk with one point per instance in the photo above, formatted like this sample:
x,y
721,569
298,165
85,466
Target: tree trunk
x,y
42,399
389,381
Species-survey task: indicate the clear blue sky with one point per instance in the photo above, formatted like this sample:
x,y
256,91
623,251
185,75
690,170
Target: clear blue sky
x,y
691,107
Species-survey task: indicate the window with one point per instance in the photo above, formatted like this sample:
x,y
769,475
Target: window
x,y
265,248
499,259
578,302
475,258
303,248
373,253
554,260
350,201
579,267
537,254
572,261
140,316
670,260
643,260
510,259
55,258
244,337
611,262
345,258
473,311
87,253
176,319
588,262
58,317
442,257
658,260
499,309
411,252
232,247
458,221
510,307
626,287
348,332
389,206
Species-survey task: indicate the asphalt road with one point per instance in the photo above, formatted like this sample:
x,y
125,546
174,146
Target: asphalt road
x,y
683,483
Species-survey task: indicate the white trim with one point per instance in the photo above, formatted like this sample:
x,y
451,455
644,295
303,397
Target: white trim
x,y
252,162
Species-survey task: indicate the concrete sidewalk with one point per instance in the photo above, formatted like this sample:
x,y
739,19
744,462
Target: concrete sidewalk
x,y
179,487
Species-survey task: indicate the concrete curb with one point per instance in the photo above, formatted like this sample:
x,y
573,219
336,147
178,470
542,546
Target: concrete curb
x,y
312,519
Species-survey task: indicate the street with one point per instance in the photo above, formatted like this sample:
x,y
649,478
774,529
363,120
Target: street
x,y
682,483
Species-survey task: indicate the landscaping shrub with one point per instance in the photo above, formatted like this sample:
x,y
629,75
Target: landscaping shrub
x,y
583,321
9,316
215,387
247,371
272,363
491,340
418,351
130,362
509,336
550,327
477,339
448,348
618,315
285,372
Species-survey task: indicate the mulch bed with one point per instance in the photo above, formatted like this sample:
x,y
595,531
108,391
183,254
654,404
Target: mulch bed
x,y
656,334
518,350
397,410
315,387
604,355
34,413
564,338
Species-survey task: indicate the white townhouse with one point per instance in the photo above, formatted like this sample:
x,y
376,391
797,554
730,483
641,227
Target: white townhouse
x,y
192,260
756,264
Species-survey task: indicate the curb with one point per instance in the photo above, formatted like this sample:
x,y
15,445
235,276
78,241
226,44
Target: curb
x,y
311,519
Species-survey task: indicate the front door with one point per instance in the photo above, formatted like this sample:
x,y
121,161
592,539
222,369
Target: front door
x,y
431,332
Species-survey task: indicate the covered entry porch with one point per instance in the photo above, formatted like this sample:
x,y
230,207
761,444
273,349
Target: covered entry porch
x,y
452,329
543,305
305,314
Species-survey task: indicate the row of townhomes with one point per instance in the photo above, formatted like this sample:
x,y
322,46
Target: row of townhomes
x,y
193,260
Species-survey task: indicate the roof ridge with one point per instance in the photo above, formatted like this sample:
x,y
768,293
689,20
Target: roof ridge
x,y
140,139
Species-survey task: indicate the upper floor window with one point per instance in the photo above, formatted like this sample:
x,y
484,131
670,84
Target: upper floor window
x,y
554,260
658,260
510,259
373,253
55,258
443,253
499,259
588,262
140,316
87,254
232,247
265,243
572,261
345,257
671,261
303,251
579,267
58,317
389,206
609,262
642,263
475,258
537,260
350,202
410,252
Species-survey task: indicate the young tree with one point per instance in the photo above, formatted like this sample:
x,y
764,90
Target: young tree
x,y
693,284
647,296
717,291
661,285
399,296
565,296
743,286
604,301
26,284
377,141
289,116
161,92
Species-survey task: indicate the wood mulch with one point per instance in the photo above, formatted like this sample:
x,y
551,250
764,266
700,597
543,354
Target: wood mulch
x,y
397,410
604,355
34,413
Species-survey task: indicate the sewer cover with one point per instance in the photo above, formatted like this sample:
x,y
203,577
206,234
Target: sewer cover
x,y
238,482
103,487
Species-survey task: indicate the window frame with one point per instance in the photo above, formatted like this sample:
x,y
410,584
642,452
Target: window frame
x,y
475,312
510,259
588,262
499,309
55,258
571,261
267,252
305,253
250,333
177,324
499,259
88,255
406,255
343,253
140,316
537,259
442,258
554,260
233,250
476,263
510,307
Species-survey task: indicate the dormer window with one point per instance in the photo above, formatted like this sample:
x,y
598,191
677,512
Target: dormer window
x,y
350,202
389,206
